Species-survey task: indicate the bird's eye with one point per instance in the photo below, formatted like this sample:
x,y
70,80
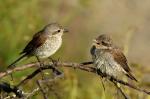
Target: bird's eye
x,y
98,43
104,43
58,30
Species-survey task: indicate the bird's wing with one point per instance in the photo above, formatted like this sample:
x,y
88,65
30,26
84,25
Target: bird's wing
x,y
37,40
120,58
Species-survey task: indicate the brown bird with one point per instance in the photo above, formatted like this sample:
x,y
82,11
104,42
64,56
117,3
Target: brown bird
x,y
44,43
109,59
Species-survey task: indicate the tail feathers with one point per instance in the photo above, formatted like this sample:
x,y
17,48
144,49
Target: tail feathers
x,y
131,76
13,64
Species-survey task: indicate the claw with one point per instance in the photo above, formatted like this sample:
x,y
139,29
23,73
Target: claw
x,y
54,61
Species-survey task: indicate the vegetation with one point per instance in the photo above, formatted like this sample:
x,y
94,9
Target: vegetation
x,y
126,21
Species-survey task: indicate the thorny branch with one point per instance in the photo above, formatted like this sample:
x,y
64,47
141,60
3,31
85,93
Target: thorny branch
x,y
49,65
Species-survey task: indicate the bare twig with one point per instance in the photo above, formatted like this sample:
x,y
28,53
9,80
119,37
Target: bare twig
x,y
42,90
6,87
58,75
82,66
130,85
28,95
32,75
59,64
19,68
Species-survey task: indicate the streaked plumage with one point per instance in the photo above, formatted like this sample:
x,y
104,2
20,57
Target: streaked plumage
x,y
109,59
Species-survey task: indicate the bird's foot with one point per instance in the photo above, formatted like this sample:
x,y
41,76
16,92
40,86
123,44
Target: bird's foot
x,y
55,62
56,72
41,65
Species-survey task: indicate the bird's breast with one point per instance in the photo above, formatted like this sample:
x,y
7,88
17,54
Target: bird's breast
x,y
105,62
51,45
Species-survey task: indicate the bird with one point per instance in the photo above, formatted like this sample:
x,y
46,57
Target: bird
x,y
44,43
109,59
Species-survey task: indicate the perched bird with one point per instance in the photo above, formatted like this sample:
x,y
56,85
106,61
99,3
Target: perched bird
x,y
109,59
44,43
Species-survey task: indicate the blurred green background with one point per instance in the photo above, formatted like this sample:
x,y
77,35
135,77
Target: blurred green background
x,y
127,21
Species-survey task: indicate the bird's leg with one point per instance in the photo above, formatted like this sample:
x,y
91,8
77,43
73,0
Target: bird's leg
x,y
53,61
121,91
101,77
102,83
56,72
40,66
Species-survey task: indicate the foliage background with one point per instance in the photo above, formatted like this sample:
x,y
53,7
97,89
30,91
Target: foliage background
x,y
127,21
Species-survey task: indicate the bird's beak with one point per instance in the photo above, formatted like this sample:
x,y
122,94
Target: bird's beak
x,y
65,30
94,42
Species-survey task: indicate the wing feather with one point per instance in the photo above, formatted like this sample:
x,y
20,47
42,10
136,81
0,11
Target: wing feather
x,y
120,58
37,40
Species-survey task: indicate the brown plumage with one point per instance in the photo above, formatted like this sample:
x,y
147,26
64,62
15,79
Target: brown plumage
x,y
44,43
108,58
37,41
120,58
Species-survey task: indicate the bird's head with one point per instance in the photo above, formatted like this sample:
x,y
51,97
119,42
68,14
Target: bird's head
x,y
103,42
54,29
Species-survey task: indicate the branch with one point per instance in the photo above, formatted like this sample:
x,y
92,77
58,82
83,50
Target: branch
x,y
38,71
59,64
28,95
82,66
130,85
6,87
18,68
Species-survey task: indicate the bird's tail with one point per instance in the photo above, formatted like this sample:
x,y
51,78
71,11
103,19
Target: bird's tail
x,y
131,76
13,64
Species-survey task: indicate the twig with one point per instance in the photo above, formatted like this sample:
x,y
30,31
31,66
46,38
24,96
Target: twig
x,y
42,90
6,87
130,85
81,66
58,74
18,68
32,75
59,64
28,95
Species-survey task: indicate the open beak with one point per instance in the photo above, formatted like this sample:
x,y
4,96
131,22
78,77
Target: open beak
x,y
94,42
